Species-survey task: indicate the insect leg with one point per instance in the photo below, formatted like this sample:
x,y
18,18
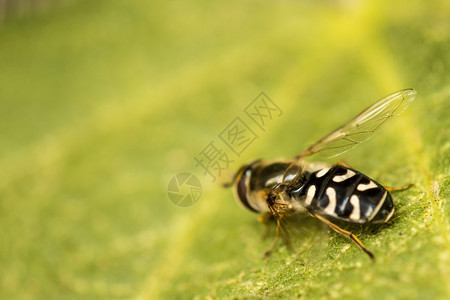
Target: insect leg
x,y
228,184
280,227
401,188
277,238
286,237
346,233
264,220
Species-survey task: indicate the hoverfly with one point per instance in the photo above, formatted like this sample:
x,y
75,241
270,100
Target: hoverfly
x,y
325,191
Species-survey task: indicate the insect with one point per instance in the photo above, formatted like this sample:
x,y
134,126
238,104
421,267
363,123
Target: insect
x,y
327,192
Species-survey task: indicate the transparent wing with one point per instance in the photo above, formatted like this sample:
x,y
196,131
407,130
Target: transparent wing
x,y
363,126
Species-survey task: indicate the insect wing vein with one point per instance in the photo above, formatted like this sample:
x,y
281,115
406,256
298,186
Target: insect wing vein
x,y
364,126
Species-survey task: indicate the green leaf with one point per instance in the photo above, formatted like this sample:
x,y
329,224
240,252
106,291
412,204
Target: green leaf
x,y
103,102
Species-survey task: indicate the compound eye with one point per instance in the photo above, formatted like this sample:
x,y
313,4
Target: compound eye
x,y
242,187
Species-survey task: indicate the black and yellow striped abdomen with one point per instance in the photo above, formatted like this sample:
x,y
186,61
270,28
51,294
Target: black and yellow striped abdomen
x,y
344,194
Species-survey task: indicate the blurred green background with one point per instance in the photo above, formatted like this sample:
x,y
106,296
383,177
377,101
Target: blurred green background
x,y
102,102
